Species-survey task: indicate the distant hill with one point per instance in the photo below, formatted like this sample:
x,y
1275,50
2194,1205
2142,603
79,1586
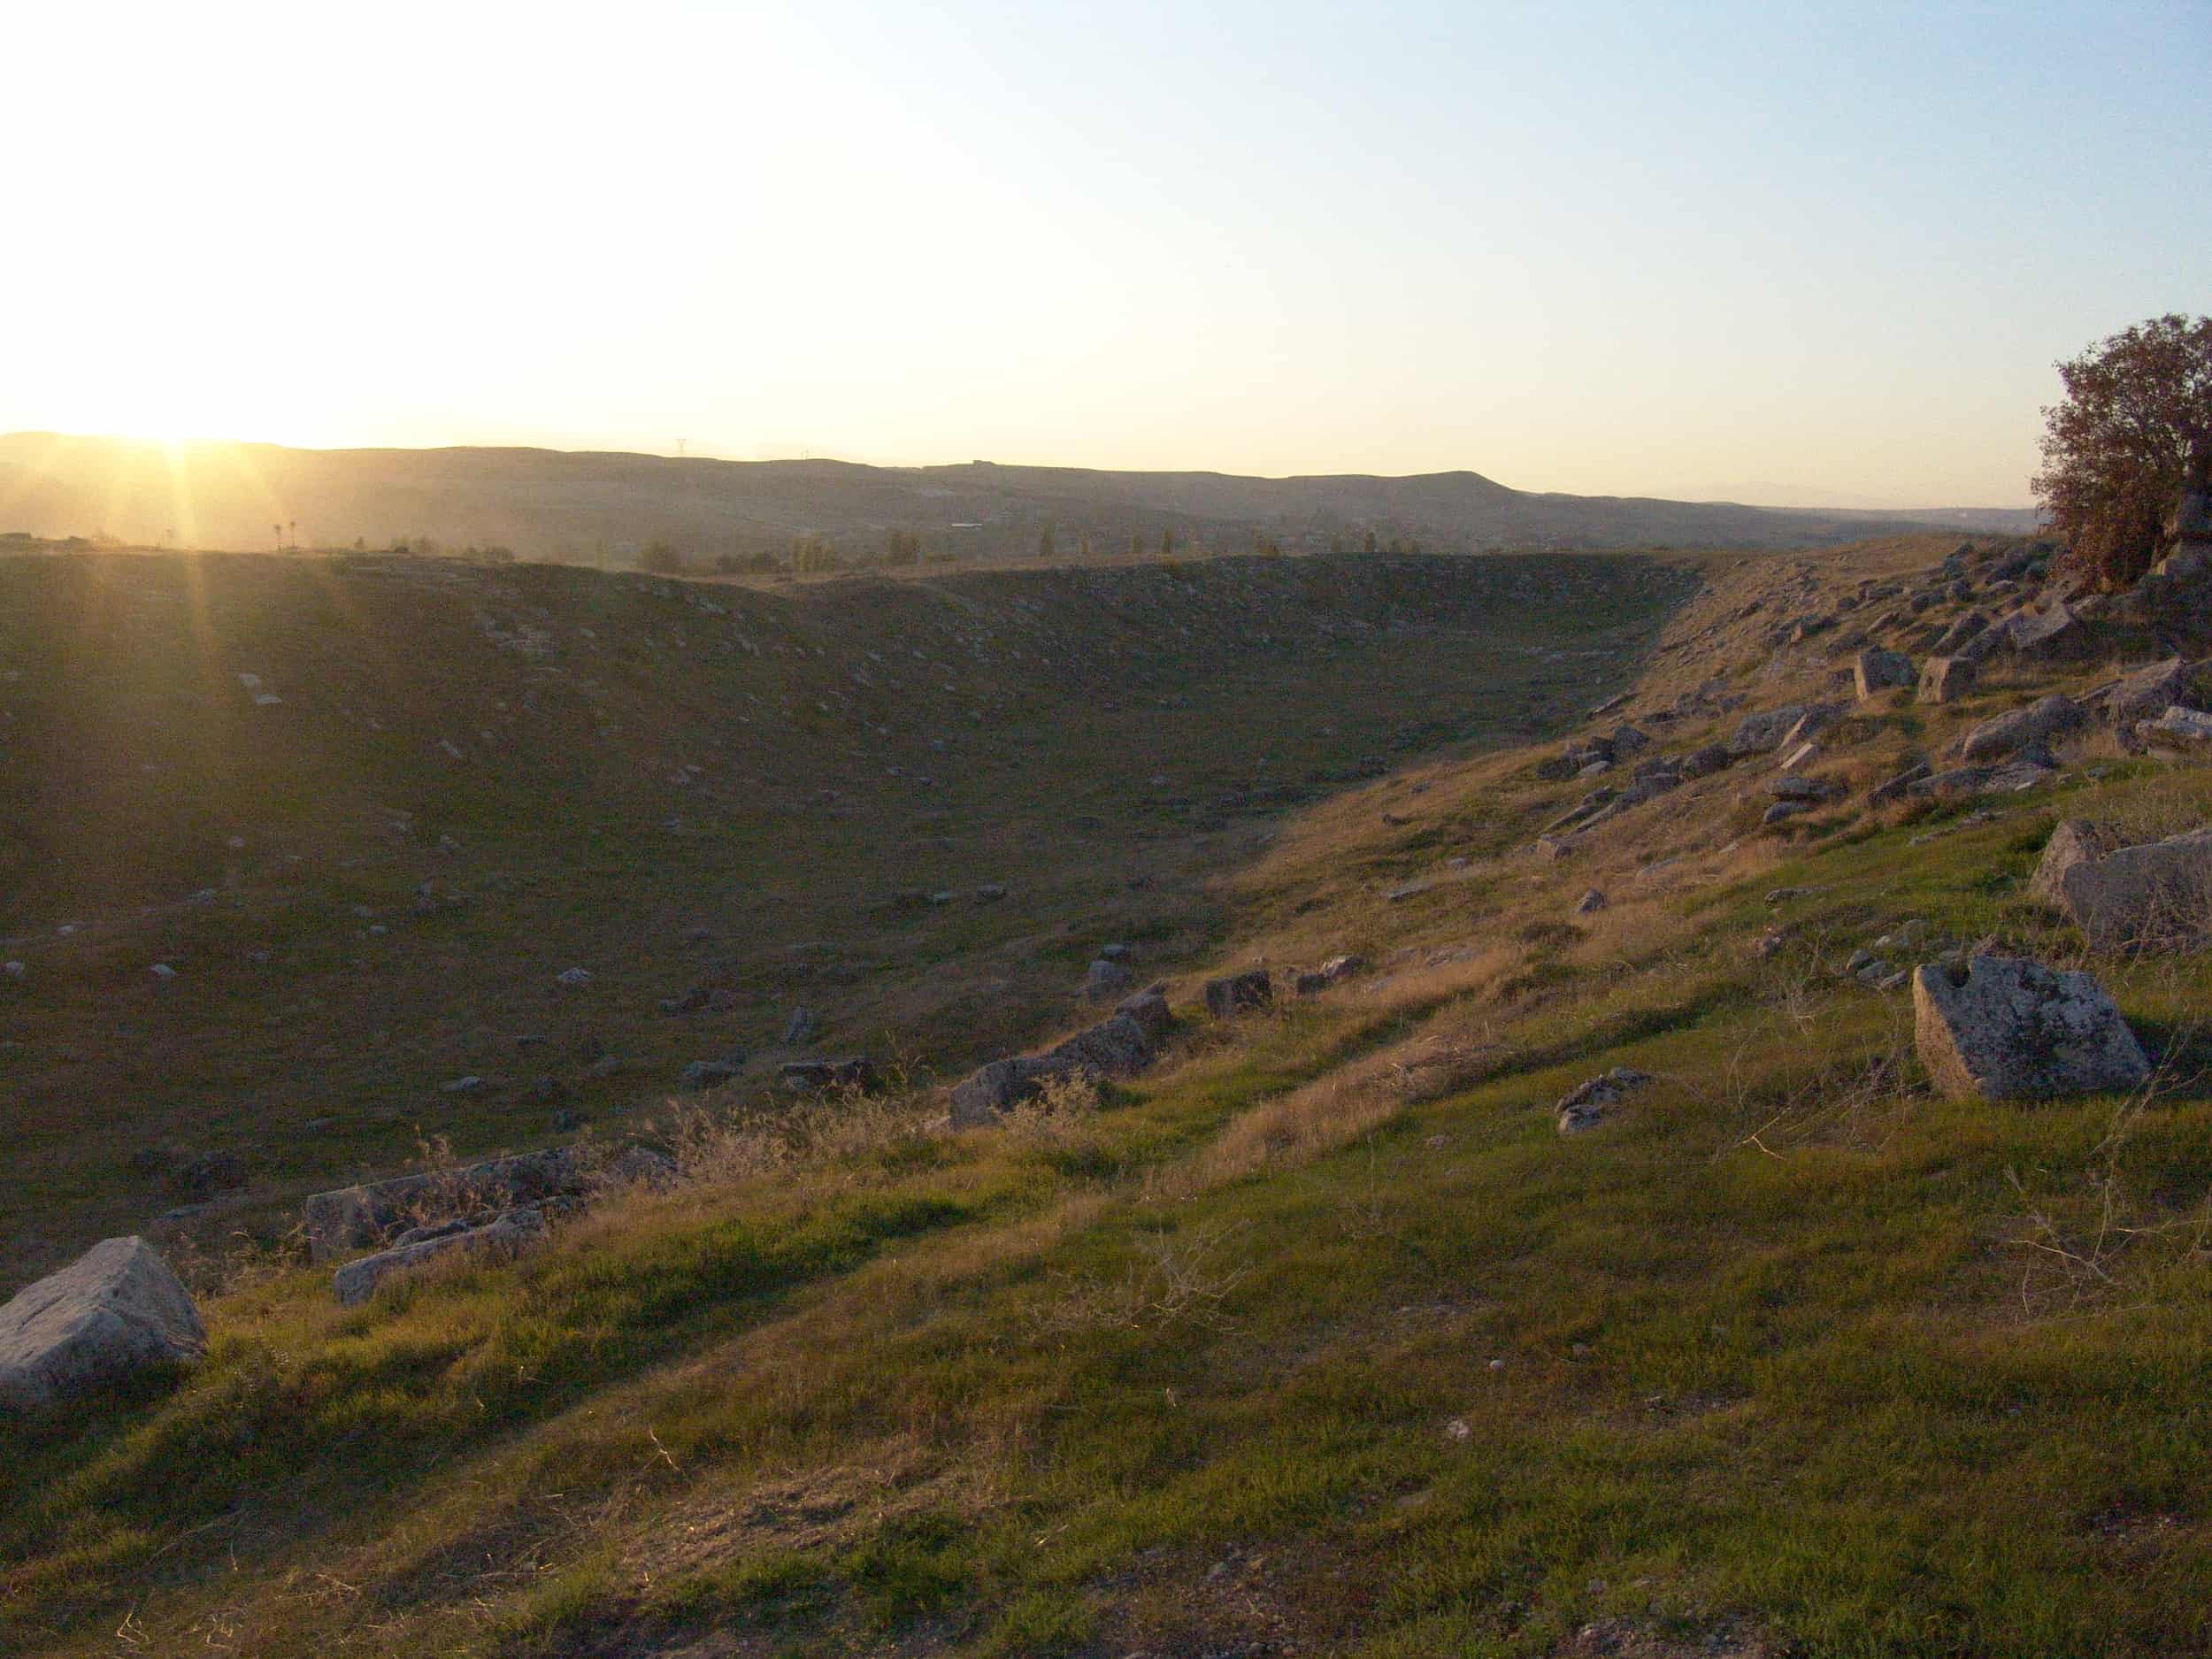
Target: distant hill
x,y
597,507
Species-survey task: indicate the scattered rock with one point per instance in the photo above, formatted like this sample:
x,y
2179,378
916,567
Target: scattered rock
x,y
1590,903
2074,842
1781,811
500,1240
1588,1104
2038,723
356,1218
709,1073
2003,1028
208,1173
112,1314
2177,728
1791,787
1960,630
572,979
1237,992
1106,978
1762,733
2123,897
853,1071
1702,762
801,1026
1336,969
1899,784
2146,693
1877,671
2056,635
1118,1046
1946,679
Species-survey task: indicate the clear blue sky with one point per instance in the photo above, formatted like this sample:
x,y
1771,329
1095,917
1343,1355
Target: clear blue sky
x,y
1721,249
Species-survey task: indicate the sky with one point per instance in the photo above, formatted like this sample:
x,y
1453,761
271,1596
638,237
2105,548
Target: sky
x,y
1765,251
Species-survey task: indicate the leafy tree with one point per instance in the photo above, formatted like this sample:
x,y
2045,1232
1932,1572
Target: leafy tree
x,y
661,559
1047,543
1367,542
1167,543
1136,544
2118,448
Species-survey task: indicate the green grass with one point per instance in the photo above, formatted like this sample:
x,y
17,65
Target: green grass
x,y
1319,1332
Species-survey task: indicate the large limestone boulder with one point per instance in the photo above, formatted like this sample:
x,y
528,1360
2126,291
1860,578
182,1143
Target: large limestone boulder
x,y
2146,694
113,1312
2038,723
2051,636
1945,680
2005,1029
2177,728
2125,897
2076,841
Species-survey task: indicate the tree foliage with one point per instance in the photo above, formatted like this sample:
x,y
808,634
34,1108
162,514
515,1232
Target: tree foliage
x,y
2117,449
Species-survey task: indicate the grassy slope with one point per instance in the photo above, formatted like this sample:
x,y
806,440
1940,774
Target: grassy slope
x,y
1096,742
1320,1336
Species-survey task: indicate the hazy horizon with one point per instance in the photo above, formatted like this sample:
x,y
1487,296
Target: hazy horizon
x,y
1594,251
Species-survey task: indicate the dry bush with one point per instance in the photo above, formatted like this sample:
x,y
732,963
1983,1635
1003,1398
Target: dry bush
x,y
1062,1115
761,1138
1174,1280
239,1263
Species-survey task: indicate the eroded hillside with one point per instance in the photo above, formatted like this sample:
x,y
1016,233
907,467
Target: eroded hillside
x,y
291,850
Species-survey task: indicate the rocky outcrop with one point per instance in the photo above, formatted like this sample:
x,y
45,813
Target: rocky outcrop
x,y
357,1218
499,1239
113,1313
2038,723
1118,1046
2002,1028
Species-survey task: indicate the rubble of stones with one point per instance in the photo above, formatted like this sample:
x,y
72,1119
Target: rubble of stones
x,y
1927,640
496,1209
